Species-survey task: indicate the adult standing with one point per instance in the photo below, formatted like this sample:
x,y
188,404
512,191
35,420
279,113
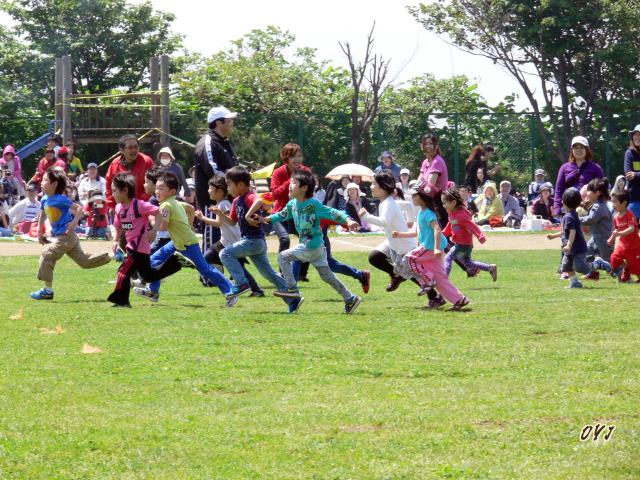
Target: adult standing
x,y
434,175
479,160
387,162
576,172
167,161
130,161
214,153
632,171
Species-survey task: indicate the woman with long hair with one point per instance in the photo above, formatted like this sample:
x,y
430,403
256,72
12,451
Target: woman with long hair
x,y
576,172
434,175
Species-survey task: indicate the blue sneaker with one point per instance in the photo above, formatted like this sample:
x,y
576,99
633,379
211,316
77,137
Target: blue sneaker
x,y
42,294
600,264
575,284
288,293
351,304
295,304
237,291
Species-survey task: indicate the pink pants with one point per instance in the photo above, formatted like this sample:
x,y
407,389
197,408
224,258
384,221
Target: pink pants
x,y
431,268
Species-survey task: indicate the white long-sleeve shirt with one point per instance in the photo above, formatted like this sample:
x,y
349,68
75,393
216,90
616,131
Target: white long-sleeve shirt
x,y
391,218
24,210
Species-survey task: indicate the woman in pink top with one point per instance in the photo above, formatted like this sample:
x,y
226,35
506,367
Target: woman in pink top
x,y
434,175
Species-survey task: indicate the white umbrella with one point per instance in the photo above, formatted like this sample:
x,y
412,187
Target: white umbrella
x,y
351,169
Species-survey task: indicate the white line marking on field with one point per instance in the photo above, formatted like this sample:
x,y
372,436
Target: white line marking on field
x,y
366,247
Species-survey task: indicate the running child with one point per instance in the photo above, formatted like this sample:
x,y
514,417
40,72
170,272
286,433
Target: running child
x,y
626,255
63,216
461,230
427,258
230,232
132,217
173,218
574,246
388,255
306,213
600,222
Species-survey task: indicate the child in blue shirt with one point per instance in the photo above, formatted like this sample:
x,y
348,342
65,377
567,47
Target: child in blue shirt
x,y
63,216
306,213
574,246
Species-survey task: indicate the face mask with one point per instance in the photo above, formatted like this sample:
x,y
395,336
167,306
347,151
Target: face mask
x,y
165,162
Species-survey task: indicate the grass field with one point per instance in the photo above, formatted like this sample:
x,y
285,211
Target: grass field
x,y
185,389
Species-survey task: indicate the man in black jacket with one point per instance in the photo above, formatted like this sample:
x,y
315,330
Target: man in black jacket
x,y
214,153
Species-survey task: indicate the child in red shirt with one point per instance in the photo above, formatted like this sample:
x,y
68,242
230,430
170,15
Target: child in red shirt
x,y
460,230
626,255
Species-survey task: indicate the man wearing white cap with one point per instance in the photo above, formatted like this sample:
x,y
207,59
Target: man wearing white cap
x,y
214,153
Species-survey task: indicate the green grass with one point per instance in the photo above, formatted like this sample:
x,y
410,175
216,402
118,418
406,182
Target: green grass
x,y
188,389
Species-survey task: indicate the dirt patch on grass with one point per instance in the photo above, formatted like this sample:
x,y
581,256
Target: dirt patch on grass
x,y
342,243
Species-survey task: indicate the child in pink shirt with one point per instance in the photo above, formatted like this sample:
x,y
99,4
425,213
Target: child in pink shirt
x,y
461,230
132,218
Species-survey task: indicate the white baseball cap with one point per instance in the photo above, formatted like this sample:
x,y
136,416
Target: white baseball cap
x,y
217,113
405,171
580,140
635,129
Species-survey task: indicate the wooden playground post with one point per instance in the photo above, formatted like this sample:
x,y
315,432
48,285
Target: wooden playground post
x,y
67,133
154,84
58,94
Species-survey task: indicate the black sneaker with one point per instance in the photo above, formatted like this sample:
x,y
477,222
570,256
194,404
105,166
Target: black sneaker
x,y
295,304
303,279
257,293
121,305
351,304
436,302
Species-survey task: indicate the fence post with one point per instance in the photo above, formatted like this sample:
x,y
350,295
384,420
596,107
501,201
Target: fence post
x,y
164,112
300,124
456,149
532,127
607,149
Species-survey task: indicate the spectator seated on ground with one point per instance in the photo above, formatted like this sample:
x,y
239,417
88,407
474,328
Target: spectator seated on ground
x,y
490,208
387,162
543,204
512,211
354,201
25,213
96,212
535,187
5,230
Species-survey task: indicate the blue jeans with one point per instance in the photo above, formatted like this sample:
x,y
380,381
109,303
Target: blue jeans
x,y
5,232
335,265
193,253
256,250
635,208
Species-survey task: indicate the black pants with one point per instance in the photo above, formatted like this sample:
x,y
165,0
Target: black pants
x,y
382,262
140,263
212,256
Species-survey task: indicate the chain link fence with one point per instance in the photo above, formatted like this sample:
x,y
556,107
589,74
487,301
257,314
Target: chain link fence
x,y
326,140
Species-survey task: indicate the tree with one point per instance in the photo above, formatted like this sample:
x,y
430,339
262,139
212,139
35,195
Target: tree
x,y
581,54
365,97
110,41
282,92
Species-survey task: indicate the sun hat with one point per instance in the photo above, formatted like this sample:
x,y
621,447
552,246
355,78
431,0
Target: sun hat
x,y
167,150
349,187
